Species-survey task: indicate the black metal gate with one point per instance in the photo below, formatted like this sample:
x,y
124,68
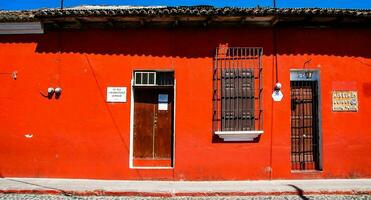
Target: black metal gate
x,y
304,125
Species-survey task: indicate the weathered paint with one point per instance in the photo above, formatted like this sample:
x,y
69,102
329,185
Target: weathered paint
x,y
79,135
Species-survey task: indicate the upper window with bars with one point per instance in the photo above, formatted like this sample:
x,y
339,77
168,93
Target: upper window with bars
x,y
237,90
153,78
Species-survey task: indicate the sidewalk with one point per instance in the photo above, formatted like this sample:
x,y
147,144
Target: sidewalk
x,y
86,187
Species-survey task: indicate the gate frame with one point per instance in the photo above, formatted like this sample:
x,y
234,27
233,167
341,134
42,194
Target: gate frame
x,y
315,77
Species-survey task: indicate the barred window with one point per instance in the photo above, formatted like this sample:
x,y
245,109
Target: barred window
x,y
237,89
153,78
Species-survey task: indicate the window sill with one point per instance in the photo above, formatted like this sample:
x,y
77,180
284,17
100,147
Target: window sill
x,y
238,135
306,171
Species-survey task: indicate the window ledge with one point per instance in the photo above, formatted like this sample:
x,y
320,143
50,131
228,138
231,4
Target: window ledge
x,y
306,171
238,135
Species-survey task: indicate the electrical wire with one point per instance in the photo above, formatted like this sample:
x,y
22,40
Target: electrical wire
x,y
108,110
274,40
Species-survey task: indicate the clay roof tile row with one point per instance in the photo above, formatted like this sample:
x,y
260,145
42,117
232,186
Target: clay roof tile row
x,y
98,11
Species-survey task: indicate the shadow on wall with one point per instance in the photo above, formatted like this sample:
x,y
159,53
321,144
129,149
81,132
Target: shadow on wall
x,y
199,42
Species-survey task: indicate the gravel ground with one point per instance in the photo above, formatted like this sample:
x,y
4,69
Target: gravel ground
x,y
287,197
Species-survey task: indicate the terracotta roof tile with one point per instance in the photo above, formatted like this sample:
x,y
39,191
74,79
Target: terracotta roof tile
x,y
101,11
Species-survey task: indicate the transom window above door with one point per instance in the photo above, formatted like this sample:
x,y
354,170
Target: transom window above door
x,y
153,78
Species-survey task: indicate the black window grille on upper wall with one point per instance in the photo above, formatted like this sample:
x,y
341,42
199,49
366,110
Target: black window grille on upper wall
x,y
237,89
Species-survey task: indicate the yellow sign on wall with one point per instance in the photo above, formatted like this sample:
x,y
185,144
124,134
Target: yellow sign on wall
x,y
344,101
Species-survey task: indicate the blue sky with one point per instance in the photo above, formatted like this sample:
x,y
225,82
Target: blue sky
x,y
34,4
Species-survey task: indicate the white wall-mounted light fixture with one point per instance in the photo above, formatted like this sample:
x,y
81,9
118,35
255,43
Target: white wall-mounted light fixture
x,y
277,94
58,90
14,75
278,86
50,91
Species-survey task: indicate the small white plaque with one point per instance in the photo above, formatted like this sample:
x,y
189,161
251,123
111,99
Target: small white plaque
x,y
116,94
162,106
163,99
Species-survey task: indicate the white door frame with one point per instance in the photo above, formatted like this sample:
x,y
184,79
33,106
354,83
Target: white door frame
x,y
131,157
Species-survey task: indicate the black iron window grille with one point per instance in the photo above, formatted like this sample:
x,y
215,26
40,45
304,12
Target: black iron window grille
x,y
237,89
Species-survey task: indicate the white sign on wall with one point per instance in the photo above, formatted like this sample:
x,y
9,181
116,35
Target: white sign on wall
x,y
344,101
116,94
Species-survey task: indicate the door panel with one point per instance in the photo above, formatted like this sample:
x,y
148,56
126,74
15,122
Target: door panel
x,y
153,126
163,138
143,124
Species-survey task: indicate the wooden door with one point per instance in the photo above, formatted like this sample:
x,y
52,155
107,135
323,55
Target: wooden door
x,y
153,126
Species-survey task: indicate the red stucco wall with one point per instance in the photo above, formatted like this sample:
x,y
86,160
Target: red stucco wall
x,y
82,136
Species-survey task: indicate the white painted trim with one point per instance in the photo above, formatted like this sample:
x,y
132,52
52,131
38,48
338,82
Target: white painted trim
x,y
141,76
238,132
21,28
174,108
131,158
154,167
238,135
131,123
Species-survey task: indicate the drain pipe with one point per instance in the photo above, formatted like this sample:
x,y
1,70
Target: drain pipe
x,y
275,65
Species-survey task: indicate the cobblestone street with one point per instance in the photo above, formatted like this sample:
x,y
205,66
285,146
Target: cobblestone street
x,y
287,197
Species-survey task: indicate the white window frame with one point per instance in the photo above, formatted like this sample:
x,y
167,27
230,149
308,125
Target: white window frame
x,y
141,75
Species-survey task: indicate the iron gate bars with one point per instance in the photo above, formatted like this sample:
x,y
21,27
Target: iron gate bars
x,y
304,125
237,89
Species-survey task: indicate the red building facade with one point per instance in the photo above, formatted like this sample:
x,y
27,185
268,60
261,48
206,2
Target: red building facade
x,y
170,125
